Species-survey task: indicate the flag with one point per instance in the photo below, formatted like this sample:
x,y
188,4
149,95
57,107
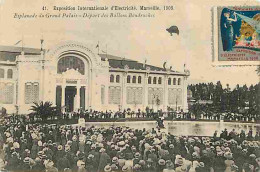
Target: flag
x,y
97,46
18,42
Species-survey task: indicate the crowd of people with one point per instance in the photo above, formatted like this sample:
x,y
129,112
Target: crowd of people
x,y
89,115
67,148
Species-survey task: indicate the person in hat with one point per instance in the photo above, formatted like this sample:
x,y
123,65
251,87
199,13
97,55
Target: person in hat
x,y
114,168
107,168
104,160
74,144
169,166
151,166
96,155
153,155
81,166
205,158
126,168
59,153
63,162
25,164
201,168
115,160
49,166
38,165
13,162
34,149
161,165
121,160
229,161
219,162
195,162
137,158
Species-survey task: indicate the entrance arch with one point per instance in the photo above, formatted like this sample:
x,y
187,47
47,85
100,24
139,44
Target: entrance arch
x,y
74,64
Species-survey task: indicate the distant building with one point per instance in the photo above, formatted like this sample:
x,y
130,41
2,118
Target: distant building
x,y
73,76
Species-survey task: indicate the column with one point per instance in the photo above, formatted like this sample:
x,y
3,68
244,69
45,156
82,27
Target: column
x,y
63,87
42,79
185,97
86,98
123,101
145,90
77,105
165,102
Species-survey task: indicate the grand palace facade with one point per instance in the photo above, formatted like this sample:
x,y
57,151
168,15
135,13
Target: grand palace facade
x,y
72,76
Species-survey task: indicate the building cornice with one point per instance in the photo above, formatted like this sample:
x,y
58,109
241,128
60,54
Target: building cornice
x,y
147,71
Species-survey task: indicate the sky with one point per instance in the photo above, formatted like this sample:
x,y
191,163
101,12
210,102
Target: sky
x,y
133,38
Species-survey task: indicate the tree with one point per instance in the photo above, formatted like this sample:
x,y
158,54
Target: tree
x,y
43,110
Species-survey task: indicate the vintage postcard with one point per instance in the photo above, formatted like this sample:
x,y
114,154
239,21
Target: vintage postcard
x,y
129,86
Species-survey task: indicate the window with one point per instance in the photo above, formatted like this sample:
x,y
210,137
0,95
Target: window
x,y
154,80
169,81
31,92
71,62
160,80
6,93
111,78
114,95
2,73
149,80
10,73
117,78
134,79
128,79
179,81
134,95
174,81
139,79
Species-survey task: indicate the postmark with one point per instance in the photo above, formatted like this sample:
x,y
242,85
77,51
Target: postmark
x,y
236,35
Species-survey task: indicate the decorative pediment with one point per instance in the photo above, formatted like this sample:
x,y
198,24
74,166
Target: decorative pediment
x,y
72,73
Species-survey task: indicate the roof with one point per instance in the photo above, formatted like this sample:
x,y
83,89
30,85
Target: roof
x,y
112,57
9,53
120,62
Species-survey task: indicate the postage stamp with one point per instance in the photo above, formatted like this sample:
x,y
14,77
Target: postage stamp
x,y
236,33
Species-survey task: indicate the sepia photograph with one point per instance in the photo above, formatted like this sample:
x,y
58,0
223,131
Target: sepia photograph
x,y
129,86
